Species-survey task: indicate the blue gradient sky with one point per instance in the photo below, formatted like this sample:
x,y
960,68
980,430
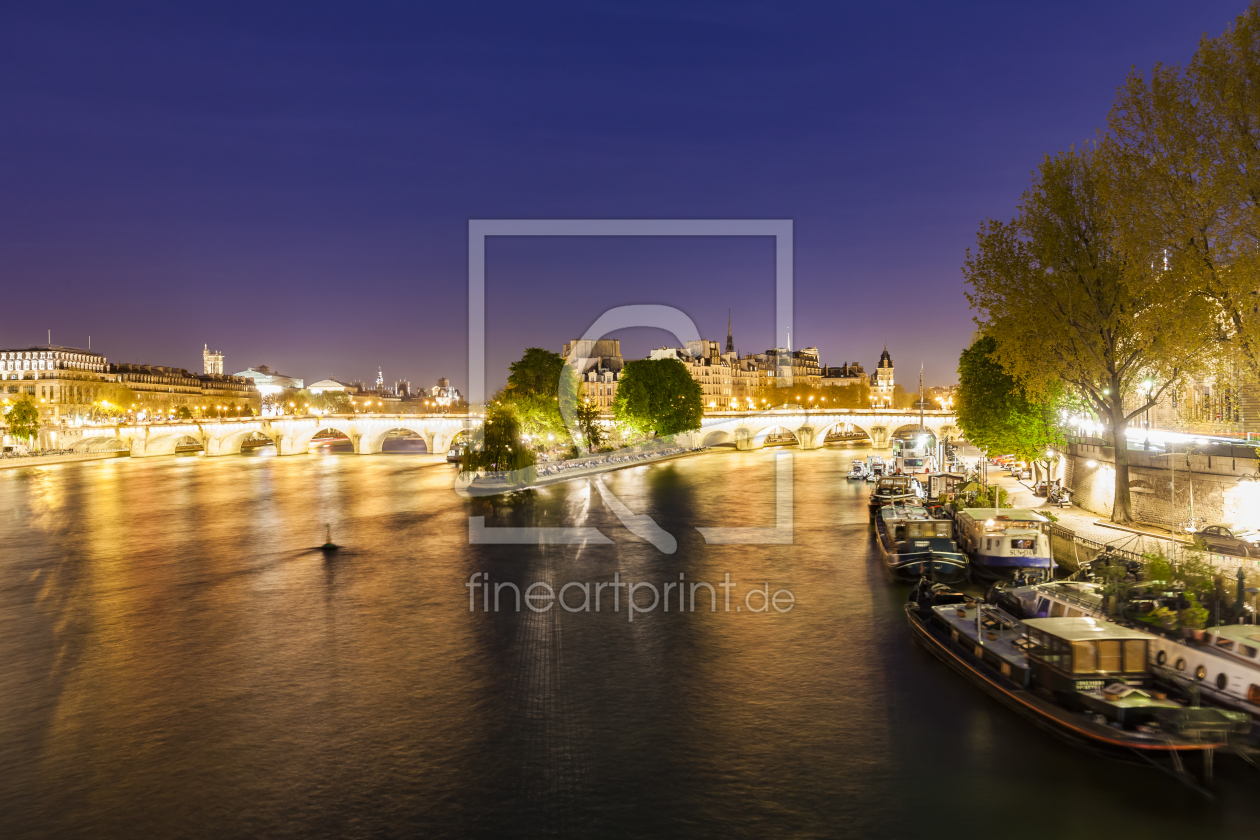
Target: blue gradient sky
x,y
292,185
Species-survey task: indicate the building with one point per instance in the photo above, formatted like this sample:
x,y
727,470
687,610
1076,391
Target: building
x,y
161,391
598,364
708,366
212,361
848,373
269,382
331,384
66,382
63,381
882,382
445,395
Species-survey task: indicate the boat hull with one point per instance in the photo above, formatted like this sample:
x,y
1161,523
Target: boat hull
x,y
938,566
1060,722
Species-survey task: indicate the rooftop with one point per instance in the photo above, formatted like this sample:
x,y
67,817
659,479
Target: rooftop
x,y
1081,629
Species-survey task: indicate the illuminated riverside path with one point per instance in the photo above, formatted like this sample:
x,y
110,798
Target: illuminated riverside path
x,y
181,660
367,432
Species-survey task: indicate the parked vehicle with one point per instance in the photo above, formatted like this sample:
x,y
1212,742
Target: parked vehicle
x,y
1229,539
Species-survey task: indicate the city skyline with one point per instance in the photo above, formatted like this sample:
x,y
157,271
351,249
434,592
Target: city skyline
x,y
305,204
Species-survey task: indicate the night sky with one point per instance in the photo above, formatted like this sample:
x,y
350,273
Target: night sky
x,y
292,185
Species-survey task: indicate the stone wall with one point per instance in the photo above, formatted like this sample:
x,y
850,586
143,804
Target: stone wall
x,y
1161,492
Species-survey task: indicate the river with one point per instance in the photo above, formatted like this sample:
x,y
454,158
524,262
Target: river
x,y
181,660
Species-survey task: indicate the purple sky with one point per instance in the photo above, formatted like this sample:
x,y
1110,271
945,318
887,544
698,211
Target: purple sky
x,y
293,185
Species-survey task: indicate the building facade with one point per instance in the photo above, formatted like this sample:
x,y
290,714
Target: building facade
x,y
269,382
211,361
882,382
598,364
67,383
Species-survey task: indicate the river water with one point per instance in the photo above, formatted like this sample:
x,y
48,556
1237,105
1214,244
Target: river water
x,y
180,660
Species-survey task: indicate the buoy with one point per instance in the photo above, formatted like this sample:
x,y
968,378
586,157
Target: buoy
x,y
329,545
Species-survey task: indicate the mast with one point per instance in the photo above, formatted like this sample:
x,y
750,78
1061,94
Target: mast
x,y
922,428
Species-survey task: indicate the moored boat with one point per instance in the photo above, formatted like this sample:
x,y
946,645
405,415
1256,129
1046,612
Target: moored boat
x,y
890,489
1005,541
1221,664
1085,680
913,545
858,471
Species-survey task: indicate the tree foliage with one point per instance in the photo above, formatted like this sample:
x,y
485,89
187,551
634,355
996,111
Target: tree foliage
x,y
23,419
1181,167
496,446
1064,303
536,372
658,396
996,414
588,423
856,395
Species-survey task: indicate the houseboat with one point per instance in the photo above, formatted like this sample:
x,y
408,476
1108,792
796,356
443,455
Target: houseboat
x,y
1222,663
890,489
875,467
858,470
1085,680
915,545
1004,541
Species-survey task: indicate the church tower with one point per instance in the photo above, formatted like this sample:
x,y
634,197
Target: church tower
x,y
882,392
212,360
730,339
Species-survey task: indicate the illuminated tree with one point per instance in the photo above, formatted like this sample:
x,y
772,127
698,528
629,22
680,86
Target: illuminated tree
x,y
657,396
1065,305
996,415
22,419
496,446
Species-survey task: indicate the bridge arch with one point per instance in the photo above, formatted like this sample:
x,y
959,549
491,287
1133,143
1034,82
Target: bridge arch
x,y
840,425
100,443
231,443
163,443
299,441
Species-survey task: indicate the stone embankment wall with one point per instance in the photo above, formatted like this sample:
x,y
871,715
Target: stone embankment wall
x,y
1161,492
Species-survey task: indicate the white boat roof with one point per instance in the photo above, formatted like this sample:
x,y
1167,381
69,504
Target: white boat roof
x,y
1005,514
1082,629
905,512
1248,633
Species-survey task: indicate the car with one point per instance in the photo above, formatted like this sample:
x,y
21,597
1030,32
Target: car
x,y
1229,539
1019,471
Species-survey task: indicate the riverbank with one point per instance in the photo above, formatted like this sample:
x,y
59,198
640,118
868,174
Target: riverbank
x,y
67,458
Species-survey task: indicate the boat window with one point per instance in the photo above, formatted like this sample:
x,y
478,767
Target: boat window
x,y
1023,543
899,533
1224,644
1109,655
1057,610
1071,613
1042,606
1135,656
1084,658
1253,693
1247,651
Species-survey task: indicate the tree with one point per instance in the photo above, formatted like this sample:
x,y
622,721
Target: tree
x,y
496,446
1064,304
536,372
535,385
588,423
112,400
824,396
658,396
903,399
996,414
23,419
1181,167
183,412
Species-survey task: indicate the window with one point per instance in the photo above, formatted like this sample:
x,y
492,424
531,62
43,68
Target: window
x,y
1135,656
1224,644
1247,651
1057,610
1084,658
1109,656
1024,543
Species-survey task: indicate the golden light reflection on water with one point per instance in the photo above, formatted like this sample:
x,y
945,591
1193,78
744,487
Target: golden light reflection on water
x,y
182,659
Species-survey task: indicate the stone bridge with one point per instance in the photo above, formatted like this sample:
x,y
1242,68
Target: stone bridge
x,y
749,429
291,435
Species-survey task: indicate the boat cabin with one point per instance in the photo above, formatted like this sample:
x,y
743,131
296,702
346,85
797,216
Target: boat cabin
x,y
1080,654
894,485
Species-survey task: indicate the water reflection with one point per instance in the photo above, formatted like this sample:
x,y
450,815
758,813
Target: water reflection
x,y
181,659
